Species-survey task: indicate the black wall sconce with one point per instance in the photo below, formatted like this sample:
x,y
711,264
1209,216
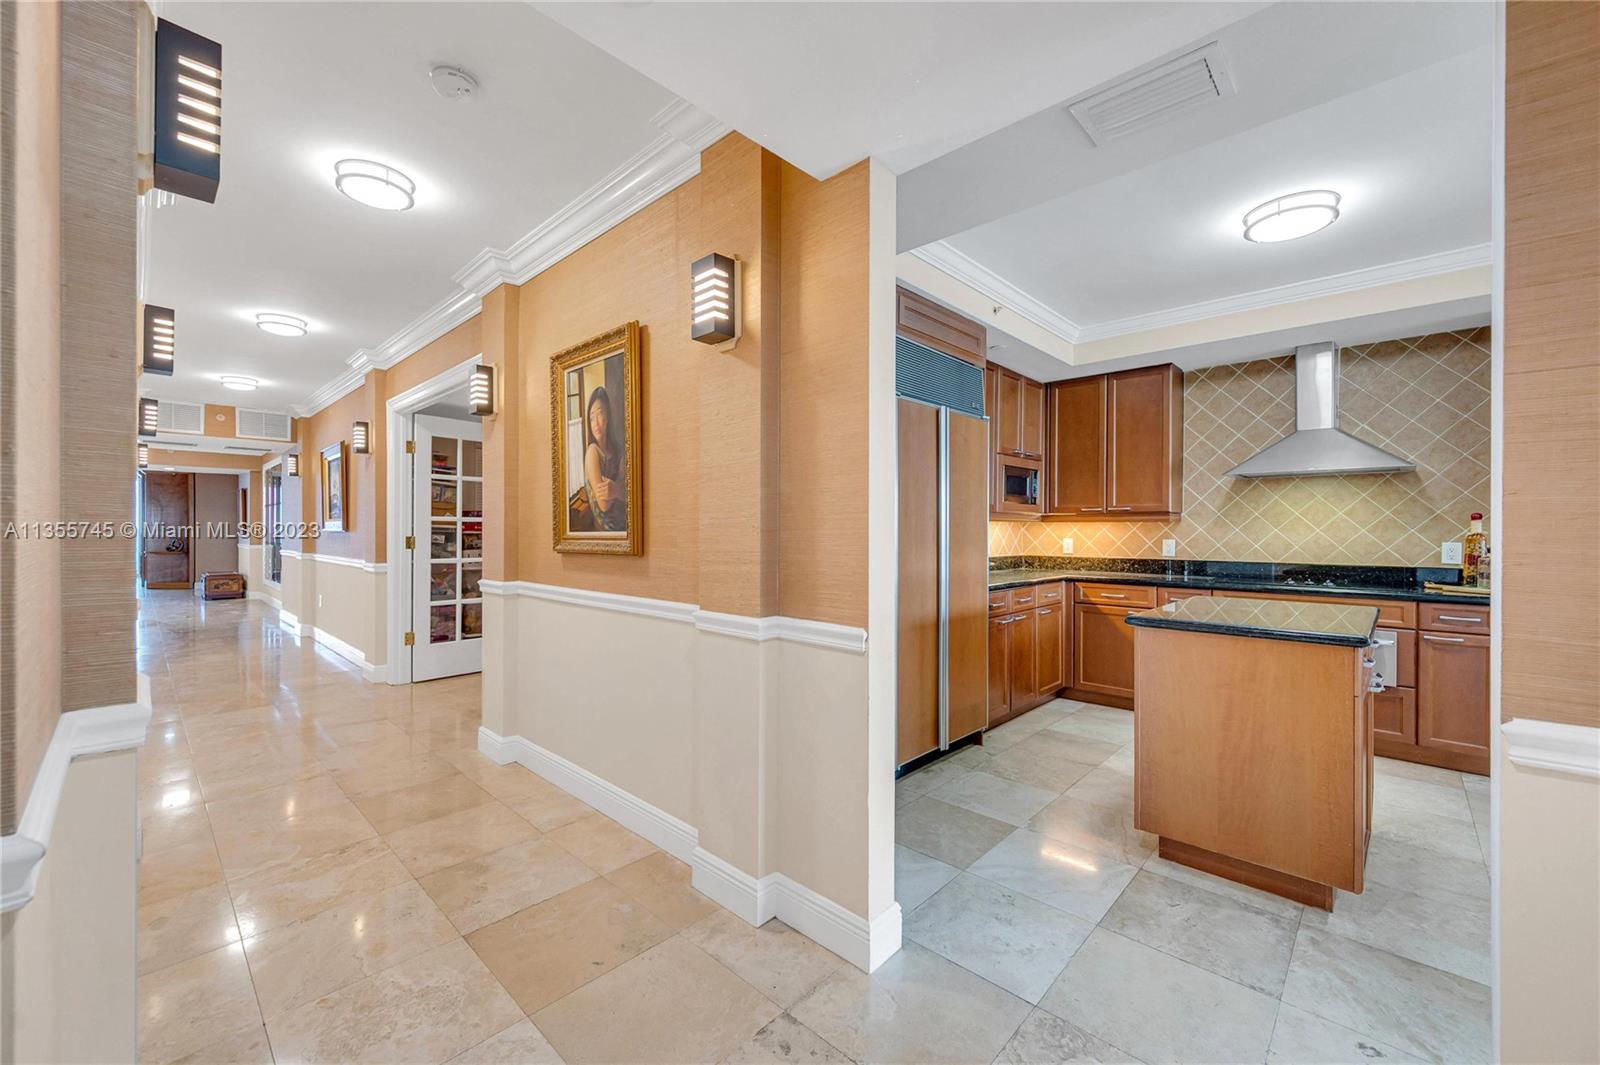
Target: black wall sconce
x,y
149,417
480,391
188,112
360,433
160,339
714,300
144,455
291,464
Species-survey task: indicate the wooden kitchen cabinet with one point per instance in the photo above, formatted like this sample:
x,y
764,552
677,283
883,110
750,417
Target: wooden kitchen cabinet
x,y
1102,651
1172,595
1018,416
1453,698
1116,445
999,671
1394,716
1031,435
1028,648
1050,650
1076,479
939,328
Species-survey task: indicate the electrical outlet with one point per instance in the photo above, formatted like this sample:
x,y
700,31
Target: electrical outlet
x,y
319,600
1169,548
1450,553
1066,545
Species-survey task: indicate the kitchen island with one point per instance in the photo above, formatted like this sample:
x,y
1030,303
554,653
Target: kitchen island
x,y
1253,740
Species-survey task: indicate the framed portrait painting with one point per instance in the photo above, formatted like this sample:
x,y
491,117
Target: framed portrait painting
x,y
335,488
596,446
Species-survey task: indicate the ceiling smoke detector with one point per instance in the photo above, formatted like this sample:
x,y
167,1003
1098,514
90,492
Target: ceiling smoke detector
x,y
453,83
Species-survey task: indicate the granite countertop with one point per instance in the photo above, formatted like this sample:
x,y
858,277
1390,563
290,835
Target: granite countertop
x,y
1011,578
1266,619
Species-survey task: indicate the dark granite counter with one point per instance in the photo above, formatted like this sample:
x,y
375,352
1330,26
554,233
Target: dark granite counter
x,y
1367,582
1329,623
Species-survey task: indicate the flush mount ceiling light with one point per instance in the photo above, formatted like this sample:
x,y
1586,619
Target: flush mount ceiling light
x,y
238,382
281,325
374,184
1297,215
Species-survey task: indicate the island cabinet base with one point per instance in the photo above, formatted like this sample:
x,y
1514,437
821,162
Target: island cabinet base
x,y
1307,892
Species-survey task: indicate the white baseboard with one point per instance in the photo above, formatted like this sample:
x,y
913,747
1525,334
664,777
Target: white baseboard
x,y
865,944
375,674
293,623
349,652
263,597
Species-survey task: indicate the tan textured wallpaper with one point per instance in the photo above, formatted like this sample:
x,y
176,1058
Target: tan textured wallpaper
x,y
1426,398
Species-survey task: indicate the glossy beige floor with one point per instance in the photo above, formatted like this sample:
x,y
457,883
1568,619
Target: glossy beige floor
x,y
331,872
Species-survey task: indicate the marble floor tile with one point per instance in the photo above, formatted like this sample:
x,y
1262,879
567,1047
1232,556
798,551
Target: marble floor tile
x,y
429,1008
457,837
391,811
1453,936
1081,882
180,928
1449,836
952,834
1253,897
246,1047
996,797
1215,932
552,811
1102,829
483,890
256,849
276,805
1427,774
1159,1008
1105,724
296,890
1014,942
1105,787
601,843
163,828
1415,1007
917,877
194,1004
521,1044
1055,743
931,777
1302,1038
303,961
786,1040
917,1007
176,871
1409,868
672,1003
418,769
662,884
1045,1039
555,947
1414,796
774,959
510,783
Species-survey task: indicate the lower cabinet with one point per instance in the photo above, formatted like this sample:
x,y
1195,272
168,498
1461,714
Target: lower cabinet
x,y
999,671
1050,650
1453,698
1394,715
1027,660
1102,650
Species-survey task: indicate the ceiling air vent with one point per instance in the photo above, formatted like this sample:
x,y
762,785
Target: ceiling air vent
x,y
261,424
181,417
1144,100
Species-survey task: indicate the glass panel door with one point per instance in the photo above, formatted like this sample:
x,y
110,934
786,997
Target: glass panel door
x,y
448,562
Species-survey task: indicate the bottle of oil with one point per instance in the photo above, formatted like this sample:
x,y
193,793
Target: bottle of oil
x,y
1475,567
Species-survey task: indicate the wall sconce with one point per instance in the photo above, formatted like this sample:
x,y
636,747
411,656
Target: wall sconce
x,y
144,455
291,464
714,300
480,391
149,417
358,437
160,339
188,112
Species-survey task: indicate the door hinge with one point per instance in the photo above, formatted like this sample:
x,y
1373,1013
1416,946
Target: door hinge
x,y
411,543
411,639
411,447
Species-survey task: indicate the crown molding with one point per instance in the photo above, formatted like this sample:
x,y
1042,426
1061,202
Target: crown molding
x,y
941,255
944,257
664,164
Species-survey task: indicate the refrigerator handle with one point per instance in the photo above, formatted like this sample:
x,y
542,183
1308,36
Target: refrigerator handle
x,y
944,578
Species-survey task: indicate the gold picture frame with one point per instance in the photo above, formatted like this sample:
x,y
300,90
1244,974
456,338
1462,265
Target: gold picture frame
x,y
335,489
596,448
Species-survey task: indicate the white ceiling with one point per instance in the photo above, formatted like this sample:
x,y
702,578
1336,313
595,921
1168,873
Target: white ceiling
x,y
825,85
307,84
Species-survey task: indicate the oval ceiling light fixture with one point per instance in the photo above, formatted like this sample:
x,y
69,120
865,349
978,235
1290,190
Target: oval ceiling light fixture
x,y
1297,215
374,184
281,325
238,382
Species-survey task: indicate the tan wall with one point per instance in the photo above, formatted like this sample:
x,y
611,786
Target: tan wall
x,y
204,460
329,426
1426,398
221,419
348,605
68,955
216,504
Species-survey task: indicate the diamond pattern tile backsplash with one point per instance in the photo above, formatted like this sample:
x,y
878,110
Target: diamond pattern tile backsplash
x,y
1426,398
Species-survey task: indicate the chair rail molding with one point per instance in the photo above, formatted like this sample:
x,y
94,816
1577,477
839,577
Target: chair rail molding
x,y
1552,745
98,730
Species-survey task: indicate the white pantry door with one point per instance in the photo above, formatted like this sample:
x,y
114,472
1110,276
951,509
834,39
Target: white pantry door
x,y
447,562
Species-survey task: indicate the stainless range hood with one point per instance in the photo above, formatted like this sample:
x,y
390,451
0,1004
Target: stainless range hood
x,y
1318,447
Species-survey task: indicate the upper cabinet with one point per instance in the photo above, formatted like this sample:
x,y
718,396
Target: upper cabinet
x,y
943,330
1116,446
1019,416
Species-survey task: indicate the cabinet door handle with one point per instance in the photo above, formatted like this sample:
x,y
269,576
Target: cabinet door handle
x,y
1459,617
1444,639
1369,662
1020,599
1043,611
1109,595
1119,508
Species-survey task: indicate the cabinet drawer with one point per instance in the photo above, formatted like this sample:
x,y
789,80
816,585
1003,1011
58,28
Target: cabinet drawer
x,y
1054,592
1392,613
1025,598
1448,617
1116,594
1172,595
1000,601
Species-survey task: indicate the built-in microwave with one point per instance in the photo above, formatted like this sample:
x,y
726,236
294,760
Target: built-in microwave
x,y
1019,483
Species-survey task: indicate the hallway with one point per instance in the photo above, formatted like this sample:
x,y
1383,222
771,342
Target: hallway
x,y
331,872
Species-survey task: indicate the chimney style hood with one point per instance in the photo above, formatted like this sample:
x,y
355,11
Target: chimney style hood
x,y
1318,447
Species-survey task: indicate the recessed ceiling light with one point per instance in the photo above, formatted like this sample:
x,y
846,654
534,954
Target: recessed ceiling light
x,y
374,184
238,382
1297,215
281,325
